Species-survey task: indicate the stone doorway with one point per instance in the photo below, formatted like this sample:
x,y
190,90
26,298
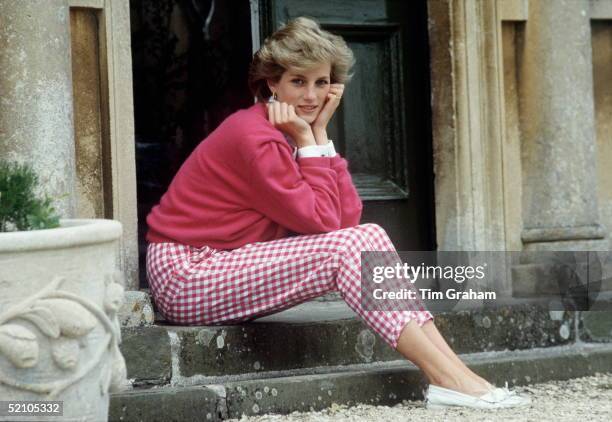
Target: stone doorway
x,y
190,64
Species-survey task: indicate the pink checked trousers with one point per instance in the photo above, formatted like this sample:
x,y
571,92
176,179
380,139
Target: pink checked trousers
x,y
206,286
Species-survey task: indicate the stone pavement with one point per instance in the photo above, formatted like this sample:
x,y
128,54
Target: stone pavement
x,y
587,398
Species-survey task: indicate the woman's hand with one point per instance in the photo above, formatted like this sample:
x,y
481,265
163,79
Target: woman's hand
x,y
319,126
283,117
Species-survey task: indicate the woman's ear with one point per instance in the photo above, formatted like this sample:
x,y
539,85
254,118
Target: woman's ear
x,y
271,85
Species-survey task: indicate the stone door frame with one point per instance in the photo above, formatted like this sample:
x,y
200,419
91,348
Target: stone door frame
x,y
471,198
117,114
476,143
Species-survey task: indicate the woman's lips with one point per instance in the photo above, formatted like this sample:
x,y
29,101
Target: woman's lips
x,y
307,109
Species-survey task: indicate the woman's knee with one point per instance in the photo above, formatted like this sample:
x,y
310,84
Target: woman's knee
x,y
372,229
355,239
364,237
375,236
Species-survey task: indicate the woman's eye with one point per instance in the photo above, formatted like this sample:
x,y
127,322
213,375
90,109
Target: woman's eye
x,y
322,82
297,81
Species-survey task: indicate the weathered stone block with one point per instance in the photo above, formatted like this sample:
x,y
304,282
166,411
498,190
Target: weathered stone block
x,y
596,325
251,348
512,327
167,405
291,344
385,386
147,354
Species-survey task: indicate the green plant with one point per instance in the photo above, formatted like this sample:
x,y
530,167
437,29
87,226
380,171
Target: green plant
x,y
20,208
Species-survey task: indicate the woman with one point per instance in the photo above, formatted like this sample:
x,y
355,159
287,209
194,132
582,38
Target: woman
x,y
222,242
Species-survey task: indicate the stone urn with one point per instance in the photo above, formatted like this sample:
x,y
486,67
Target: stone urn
x,y
59,334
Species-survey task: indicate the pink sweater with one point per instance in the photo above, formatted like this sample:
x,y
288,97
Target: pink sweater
x,y
242,184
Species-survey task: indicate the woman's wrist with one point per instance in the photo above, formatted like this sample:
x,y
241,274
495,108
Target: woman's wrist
x,y
320,135
305,140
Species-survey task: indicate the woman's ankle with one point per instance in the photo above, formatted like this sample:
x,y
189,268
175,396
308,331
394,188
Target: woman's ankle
x,y
481,380
468,373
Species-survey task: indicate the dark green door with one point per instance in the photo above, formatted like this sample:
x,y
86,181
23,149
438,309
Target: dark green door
x,y
383,125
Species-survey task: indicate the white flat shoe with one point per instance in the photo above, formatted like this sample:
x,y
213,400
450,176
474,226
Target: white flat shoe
x,y
513,397
440,398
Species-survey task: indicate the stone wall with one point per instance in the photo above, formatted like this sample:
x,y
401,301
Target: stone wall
x,y
36,95
66,107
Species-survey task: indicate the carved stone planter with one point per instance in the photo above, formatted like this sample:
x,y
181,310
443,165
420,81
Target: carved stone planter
x,y
59,334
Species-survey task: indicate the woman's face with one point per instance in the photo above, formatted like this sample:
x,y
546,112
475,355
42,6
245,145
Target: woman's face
x,y
306,90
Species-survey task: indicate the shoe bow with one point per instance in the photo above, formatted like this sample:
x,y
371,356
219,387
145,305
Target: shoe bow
x,y
498,394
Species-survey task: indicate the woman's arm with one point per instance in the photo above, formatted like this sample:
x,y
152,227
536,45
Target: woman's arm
x,y
300,195
350,201
351,205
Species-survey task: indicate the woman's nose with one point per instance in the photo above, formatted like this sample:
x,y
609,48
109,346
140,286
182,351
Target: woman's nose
x,y
310,93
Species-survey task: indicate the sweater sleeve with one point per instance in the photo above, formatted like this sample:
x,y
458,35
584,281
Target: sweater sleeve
x,y
301,196
351,202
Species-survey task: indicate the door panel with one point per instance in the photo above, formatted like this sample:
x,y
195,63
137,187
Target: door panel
x,y
383,124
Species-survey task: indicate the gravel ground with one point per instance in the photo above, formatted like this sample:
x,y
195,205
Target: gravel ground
x,y
588,399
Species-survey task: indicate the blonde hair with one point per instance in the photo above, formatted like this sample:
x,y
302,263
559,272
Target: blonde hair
x,y
300,44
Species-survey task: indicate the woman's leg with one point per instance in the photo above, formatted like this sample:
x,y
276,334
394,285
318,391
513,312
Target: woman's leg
x,y
206,286
432,333
209,286
439,368
423,344
220,287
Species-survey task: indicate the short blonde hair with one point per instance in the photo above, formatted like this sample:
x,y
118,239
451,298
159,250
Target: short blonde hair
x,y
300,44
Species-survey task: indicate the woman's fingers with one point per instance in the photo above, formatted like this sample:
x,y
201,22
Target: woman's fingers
x,y
271,114
328,110
336,94
284,112
336,89
281,113
334,100
291,113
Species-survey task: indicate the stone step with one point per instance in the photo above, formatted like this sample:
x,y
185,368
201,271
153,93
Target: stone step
x,y
319,335
386,383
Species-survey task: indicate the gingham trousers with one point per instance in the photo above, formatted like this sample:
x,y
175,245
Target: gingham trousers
x,y
206,286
